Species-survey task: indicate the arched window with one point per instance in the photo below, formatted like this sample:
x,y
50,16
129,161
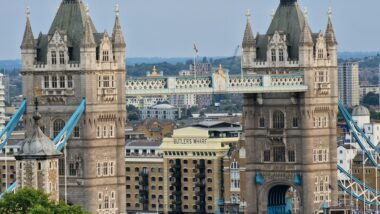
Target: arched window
x,y
278,120
58,126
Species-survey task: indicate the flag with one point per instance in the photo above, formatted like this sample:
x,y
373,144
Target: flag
x,y
196,49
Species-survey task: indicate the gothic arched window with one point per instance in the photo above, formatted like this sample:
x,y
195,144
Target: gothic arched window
x,y
58,126
278,120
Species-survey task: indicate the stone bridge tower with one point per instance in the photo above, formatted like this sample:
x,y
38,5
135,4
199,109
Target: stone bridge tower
x,y
71,62
291,137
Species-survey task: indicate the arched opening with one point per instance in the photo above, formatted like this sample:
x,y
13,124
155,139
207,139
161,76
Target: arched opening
x,y
283,199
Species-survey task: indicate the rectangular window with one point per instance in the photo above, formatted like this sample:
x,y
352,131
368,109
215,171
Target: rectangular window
x,y
262,122
112,82
111,168
46,82
72,170
105,168
111,132
53,57
281,55
267,156
61,166
292,156
279,154
106,81
105,131
62,82
69,81
295,122
61,57
54,82
273,53
76,132
105,56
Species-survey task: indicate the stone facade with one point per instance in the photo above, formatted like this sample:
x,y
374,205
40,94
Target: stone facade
x,y
286,132
69,63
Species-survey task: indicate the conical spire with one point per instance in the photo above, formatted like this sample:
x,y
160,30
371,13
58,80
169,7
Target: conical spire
x,y
306,39
248,40
117,35
28,39
88,40
330,34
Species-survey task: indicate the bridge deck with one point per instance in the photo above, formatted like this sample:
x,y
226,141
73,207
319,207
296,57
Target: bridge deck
x,y
215,84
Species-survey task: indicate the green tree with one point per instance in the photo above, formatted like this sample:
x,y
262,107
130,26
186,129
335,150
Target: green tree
x,y
371,99
30,201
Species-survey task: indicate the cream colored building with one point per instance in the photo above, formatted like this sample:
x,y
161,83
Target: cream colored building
x,y
184,174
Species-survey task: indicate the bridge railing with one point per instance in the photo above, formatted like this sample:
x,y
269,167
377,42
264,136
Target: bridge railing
x,y
218,83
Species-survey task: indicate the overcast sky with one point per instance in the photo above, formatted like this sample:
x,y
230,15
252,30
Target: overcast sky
x,y
168,28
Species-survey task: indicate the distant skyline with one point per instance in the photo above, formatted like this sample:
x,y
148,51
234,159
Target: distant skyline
x,y
168,28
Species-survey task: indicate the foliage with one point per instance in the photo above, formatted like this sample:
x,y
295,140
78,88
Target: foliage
x,y
371,99
30,201
133,113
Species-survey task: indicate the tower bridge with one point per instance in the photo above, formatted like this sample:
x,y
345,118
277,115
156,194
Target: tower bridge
x,y
289,83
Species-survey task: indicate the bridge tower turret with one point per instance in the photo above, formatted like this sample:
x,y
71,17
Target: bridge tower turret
x,y
291,137
248,46
74,61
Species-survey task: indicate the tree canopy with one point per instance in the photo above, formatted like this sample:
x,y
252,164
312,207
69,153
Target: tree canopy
x,y
30,201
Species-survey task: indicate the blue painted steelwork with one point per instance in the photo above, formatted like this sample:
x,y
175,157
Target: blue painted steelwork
x,y
259,179
7,131
61,139
10,189
354,186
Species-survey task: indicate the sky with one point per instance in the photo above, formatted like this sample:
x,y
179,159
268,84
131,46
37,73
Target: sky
x,y
169,28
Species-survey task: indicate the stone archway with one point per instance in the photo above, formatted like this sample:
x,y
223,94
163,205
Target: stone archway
x,y
283,199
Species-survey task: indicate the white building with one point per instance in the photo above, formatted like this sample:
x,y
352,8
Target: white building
x,y
2,102
145,102
361,116
345,154
348,78
183,101
162,112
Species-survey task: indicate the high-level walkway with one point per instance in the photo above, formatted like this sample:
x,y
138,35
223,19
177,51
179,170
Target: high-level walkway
x,y
218,83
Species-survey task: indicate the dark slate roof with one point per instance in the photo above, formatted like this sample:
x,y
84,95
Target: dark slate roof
x,y
215,124
248,40
290,20
70,19
143,143
28,39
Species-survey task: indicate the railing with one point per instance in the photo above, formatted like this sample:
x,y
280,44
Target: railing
x,y
216,84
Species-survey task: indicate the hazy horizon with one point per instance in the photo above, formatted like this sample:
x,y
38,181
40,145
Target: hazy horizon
x,y
168,28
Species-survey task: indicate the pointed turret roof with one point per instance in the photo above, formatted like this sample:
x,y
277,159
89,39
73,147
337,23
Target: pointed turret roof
x,y
88,40
330,34
71,18
28,39
248,40
306,38
117,35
